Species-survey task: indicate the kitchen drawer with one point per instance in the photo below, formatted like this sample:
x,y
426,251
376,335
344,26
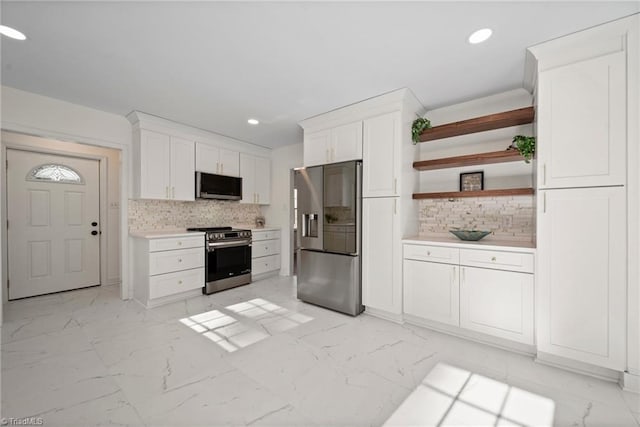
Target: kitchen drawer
x,y
174,283
511,261
171,243
169,261
265,248
432,253
265,235
265,264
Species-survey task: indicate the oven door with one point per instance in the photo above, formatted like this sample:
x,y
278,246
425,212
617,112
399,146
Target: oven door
x,y
225,260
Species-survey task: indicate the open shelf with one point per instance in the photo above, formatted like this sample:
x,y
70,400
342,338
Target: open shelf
x,y
480,193
469,160
505,119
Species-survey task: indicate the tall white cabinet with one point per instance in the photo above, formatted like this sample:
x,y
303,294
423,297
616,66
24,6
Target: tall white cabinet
x,y
587,123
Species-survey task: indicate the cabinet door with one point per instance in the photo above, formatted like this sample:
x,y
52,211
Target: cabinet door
x,y
183,169
263,180
207,158
248,174
381,288
431,291
155,155
381,155
229,162
316,147
498,303
581,275
346,143
582,124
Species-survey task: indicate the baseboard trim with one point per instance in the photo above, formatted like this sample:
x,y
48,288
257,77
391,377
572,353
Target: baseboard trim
x,y
171,298
478,337
605,374
392,317
630,382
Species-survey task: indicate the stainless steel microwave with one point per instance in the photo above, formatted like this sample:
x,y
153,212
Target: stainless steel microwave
x,y
211,186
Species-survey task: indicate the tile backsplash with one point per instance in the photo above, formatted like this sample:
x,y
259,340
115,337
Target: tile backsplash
x,y
510,218
147,215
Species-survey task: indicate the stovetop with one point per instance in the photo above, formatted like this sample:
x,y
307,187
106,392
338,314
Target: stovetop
x,y
223,233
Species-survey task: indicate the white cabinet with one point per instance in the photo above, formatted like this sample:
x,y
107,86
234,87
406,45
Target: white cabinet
x,y
338,144
164,167
381,156
167,268
216,160
265,252
381,282
487,291
431,291
498,303
582,123
256,179
581,277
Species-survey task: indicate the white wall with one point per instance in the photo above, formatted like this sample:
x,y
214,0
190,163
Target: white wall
x,y
278,213
38,115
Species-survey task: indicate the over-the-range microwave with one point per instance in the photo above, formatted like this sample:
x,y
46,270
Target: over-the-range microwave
x,y
212,186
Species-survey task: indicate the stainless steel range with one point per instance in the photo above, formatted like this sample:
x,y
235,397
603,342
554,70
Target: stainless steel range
x,y
227,258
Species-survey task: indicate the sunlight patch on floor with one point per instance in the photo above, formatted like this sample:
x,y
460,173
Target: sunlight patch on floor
x,y
247,323
450,396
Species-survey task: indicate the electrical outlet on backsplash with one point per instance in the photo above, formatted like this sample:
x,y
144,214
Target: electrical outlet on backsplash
x,y
509,218
147,215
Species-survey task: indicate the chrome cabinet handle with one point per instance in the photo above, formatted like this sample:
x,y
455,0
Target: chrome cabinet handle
x,y
173,192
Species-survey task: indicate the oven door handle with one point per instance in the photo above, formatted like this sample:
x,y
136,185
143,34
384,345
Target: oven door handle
x,y
213,246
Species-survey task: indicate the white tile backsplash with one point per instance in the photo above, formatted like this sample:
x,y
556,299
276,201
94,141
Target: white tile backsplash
x,y
508,217
147,215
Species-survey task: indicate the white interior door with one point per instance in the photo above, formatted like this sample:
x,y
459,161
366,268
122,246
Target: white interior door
x,y
52,206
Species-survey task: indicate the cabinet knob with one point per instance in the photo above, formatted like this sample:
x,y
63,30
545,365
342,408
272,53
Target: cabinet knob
x,y
179,282
428,253
179,243
493,258
179,259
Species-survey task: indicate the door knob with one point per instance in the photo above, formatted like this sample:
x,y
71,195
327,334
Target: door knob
x,y
94,232
94,223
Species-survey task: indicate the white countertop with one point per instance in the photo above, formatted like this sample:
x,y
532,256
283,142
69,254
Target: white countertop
x,y
486,243
151,234
254,228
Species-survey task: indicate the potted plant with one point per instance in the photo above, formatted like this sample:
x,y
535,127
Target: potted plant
x,y
526,146
419,124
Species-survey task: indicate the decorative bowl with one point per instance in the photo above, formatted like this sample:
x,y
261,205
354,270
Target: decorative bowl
x,y
472,235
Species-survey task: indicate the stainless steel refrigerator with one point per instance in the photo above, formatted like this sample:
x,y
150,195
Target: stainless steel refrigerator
x,y
329,201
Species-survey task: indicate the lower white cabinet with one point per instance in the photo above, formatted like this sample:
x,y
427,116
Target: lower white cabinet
x,y
167,267
485,291
498,303
381,277
265,251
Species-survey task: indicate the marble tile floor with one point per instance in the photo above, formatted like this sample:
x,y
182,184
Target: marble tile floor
x,y
255,355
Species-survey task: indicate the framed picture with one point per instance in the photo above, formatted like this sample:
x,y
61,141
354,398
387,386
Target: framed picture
x,y
472,181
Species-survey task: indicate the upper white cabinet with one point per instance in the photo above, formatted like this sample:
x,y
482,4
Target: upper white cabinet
x,y
581,277
164,167
256,179
216,160
338,144
381,153
582,123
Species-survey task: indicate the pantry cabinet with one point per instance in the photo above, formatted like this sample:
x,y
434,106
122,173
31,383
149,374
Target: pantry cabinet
x,y
256,179
582,123
339,144
165,166
216,160
581,286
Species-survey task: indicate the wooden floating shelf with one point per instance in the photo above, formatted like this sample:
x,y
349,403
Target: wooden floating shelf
x,y
480,193
469,160
520,116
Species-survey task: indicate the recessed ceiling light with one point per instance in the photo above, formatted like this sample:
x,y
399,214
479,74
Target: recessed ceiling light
x,y
480,36
253,122
12,32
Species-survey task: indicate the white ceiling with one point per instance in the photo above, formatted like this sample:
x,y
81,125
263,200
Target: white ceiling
x,y
215,64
